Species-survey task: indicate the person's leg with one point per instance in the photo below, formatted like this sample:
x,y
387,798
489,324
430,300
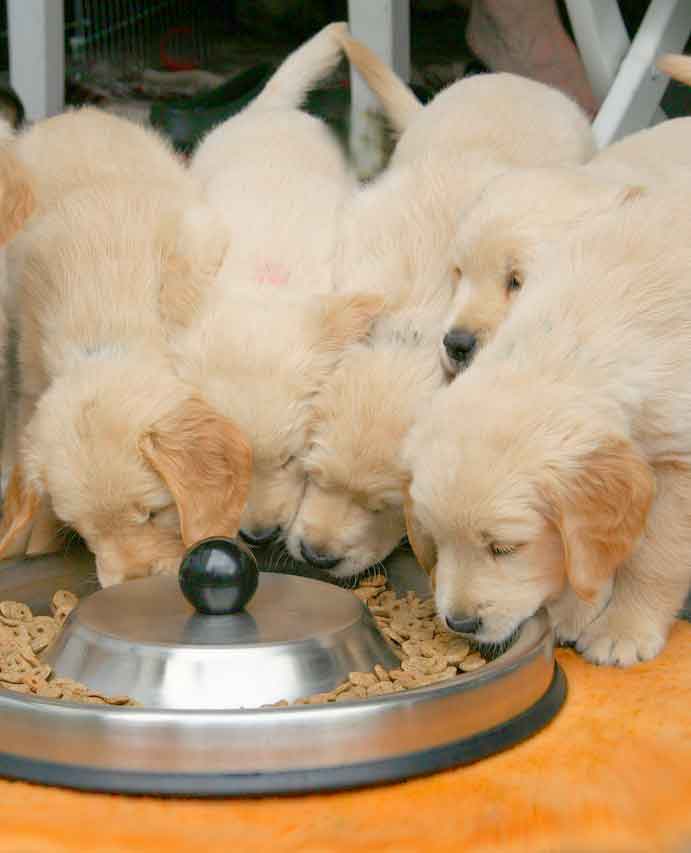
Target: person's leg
x,y
527,37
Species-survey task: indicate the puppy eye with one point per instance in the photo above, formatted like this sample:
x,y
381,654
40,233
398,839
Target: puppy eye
x,y
513,283
457,273
499,549
288,461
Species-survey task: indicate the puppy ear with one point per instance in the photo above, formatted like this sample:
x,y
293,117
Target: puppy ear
x,y
17,199
194,247
347,318
206,463
422,544
21,507
600,512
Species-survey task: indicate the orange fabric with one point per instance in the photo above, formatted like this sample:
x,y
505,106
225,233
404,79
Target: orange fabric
x,y
611,773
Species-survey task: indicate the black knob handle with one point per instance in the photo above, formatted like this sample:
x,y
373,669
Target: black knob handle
x,y
217,576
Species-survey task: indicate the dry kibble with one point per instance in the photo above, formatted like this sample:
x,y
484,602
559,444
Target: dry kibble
x,y
362,679
472,662
457,651
381,688
63,600
429,653
366,592
23,636
15,688
13,612
381,673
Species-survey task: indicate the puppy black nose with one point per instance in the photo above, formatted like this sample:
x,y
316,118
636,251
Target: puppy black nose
x,y
460,344
464,624
314,558
260,536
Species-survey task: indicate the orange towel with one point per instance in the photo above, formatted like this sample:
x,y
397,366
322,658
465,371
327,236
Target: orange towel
x,y
611,773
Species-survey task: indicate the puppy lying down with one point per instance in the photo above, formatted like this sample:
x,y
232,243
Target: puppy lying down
x,y
111,440
557,470
498,237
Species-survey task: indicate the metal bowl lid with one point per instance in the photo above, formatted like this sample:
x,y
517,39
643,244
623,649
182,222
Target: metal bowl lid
x,y
296,637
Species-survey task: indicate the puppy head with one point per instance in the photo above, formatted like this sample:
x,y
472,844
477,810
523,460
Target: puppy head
x,y
352,513
260,359
498,239
528,492
137,465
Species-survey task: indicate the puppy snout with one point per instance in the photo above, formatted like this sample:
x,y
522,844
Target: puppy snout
x,y
260,536
315,558
464,624
460,345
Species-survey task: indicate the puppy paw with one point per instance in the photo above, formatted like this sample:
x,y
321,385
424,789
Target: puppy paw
x,y
571,615
621,639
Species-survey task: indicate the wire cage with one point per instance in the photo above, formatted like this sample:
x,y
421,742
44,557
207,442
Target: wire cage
x,y
110,42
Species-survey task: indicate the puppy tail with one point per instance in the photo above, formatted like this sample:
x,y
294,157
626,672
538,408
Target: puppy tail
x,y
303,69
677,66
397,99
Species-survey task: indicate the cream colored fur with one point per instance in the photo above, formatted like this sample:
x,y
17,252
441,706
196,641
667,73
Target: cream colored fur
x,y
78,147
394,243
17,203
557,470
397,232
85,147
259,358
499,236
279,179
352,511
101,410
269,336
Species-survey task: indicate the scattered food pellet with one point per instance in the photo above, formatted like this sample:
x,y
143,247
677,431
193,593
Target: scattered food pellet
x,y
428,652
23,636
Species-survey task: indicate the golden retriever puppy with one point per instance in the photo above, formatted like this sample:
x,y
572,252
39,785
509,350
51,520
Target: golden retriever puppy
x,y
397,231
259,358
279,179
351,516
498,236
112,440
394,242
556,471
81,146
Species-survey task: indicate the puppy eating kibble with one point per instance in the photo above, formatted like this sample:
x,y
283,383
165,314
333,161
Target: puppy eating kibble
x,y
260,362
394,242
556,470
351,516
111,440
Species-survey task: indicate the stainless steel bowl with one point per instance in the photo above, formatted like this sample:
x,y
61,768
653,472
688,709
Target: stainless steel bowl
x,y
201,752
142,639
